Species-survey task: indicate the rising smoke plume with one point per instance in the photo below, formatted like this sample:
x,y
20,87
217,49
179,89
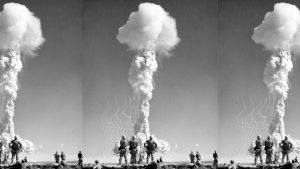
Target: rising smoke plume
x,y
20,33
148,31
279,33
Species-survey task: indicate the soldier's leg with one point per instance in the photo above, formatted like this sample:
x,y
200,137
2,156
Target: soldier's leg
x,y
152,158
287,157
17,156
134,157
12,157
255,158
283,156
148,155
120,158
125,156
260,157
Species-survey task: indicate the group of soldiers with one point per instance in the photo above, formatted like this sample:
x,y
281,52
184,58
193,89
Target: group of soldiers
x,y
15,147
198,158
133,144
285,146
192,157
61,156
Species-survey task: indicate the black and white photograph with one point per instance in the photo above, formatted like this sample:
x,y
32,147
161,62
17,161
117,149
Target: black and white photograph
x,y
157,84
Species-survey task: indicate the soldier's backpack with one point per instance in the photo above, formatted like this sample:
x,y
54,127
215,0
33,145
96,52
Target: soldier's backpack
x,y
133,145
268,145
15,146
258,144
151,146
285,146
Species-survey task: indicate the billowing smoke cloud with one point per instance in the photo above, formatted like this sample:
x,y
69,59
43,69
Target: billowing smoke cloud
x,y
149,27
148,31
279,33
20,32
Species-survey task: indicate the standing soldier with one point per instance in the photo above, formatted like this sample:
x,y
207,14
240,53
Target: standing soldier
x,y
286,147
133,144
269,150
80,157
1,152
56,157
192,157
15,146
63,157
257,149
232,165
150,147
122,149
198,157
215,156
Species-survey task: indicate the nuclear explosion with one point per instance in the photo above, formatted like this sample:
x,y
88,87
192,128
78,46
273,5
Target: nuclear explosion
x,y
279,33
20,34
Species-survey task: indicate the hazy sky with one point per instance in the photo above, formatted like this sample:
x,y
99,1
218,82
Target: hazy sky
x,y
241,67
184,105
76,91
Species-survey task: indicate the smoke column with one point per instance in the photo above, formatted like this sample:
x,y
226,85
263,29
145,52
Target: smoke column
x,y
148,31
279,33
20,32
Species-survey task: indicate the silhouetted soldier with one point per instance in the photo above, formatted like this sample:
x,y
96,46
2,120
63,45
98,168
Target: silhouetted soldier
x,y
63,157
133,144
215,156
198,157
232,165
150,147
122,150
56,157
258,150
286,147
269,150
80,157
96,166
296,160
1,152
15,146
160,159
192,157
25,159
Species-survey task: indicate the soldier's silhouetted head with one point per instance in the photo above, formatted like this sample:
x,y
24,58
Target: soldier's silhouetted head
x,y
133,138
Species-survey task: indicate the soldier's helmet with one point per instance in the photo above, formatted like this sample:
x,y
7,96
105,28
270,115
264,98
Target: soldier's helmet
x,y
15,138
258,137
269,137
150,138
133,138
231,161
286,138
123,136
